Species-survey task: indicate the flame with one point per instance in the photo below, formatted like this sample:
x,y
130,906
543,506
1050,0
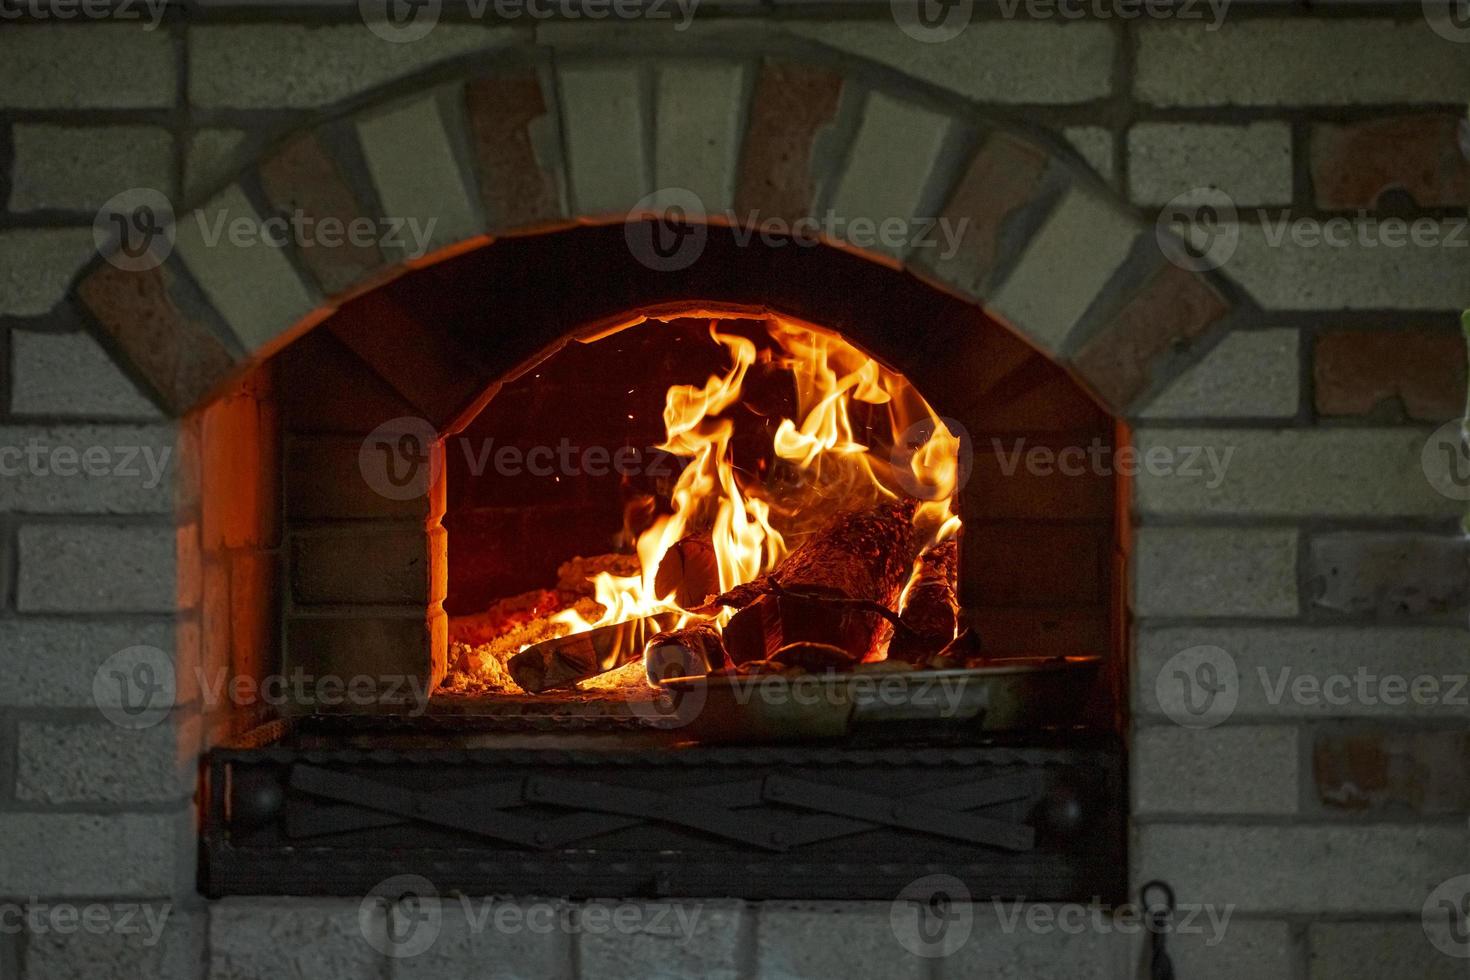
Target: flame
x,y
826,463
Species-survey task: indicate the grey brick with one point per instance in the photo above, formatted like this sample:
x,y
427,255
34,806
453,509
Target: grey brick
x,y
493,939
1080,247
1251,163
411,152
1244,948
1036,941
101,763
1298,62
1096,146
1307,869
698,146
1290,472
96,469
91,66
214,156
38,264
1266,658
605,139
1183,571
1286,272
127,855
664,950
1374,950
1389,574
96,568
51,662
250,938
269,66
1229,769
71,168
1249,374
831,939
70,375
163,942
991,61
252,283
889,164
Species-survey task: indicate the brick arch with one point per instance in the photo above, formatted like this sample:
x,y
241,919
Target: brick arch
x,y
1036,240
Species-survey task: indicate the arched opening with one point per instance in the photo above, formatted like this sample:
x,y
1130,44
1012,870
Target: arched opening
x,y
394,561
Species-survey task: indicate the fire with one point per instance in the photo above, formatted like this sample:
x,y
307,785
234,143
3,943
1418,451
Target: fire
x,y
752,520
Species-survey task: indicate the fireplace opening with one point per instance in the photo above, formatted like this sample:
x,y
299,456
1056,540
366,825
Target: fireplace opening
x,y
780,466
535,523
724,495
516,495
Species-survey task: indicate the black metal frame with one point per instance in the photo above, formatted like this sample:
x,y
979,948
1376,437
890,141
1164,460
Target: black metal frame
x,y
1038,821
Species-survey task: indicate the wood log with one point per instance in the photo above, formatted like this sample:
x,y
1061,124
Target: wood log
x,y
832,589
754,633
689,569
565,660
814,658
930,609
685,652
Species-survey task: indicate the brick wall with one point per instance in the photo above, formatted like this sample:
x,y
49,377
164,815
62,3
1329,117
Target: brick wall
x,y
1325,550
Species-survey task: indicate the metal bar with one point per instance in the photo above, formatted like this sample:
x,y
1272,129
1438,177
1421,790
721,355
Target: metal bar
x,y
478,819
899,813
661,807
1005,788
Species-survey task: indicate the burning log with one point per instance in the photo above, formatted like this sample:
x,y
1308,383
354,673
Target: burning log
x,y
689,570
565,660
814,658
685,652
837,588
930,610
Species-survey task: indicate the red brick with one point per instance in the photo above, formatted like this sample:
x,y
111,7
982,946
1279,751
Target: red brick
x,y
1041,397
1425,772
325,388
379,563
1001,179
518,192
792,104
362,643
255,601
240,502
177,353
1002,486
1420,154
1057,630
1173,308
303,177
324,481
1035,564
419,359
1358,370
